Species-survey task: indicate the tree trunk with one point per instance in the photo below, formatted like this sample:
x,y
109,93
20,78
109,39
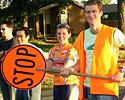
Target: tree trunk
x,y
37,28
121,9
123,16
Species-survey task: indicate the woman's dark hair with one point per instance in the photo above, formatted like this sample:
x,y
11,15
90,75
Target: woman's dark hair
x,y
27,31
59,26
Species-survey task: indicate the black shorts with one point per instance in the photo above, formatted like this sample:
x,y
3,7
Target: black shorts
x,y
62,92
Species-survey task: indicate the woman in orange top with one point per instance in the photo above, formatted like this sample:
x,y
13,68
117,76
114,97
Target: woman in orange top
x,y
63,56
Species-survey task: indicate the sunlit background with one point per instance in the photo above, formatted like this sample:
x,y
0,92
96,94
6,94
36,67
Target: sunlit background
x,y
112,2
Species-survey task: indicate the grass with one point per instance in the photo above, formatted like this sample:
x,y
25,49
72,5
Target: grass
x,y
44,46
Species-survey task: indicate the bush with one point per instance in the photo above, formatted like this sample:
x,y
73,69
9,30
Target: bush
x,y
73,38
48,82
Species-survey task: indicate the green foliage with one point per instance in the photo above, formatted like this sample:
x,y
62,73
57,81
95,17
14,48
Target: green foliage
x,y
47,83
5,3
122,54
106,1
83,1
19,9
63,3
103,1
73,38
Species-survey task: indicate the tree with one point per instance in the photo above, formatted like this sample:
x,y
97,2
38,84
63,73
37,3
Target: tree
x,y
18,9
121,9
103,1
106,1
5,3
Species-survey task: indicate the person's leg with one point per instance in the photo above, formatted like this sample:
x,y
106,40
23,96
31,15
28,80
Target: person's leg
x,y
86,91
121,92
13,93
22,95
30,92
92,97
69,92
56,93
25,94
123,98
5,89
106,97
36,93
74,95
19,95
65,91
30,95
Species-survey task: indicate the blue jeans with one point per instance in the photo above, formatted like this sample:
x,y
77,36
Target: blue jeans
x,y
102,97
121,92
89,96
86,92
22,94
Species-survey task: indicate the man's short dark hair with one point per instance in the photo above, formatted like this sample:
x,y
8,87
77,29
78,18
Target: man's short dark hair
x,y
9,24
94,2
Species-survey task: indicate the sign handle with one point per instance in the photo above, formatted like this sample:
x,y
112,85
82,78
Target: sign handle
x,y
53,71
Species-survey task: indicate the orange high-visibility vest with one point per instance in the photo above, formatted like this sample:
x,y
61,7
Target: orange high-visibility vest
x,y
106,38
104,63
79,46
